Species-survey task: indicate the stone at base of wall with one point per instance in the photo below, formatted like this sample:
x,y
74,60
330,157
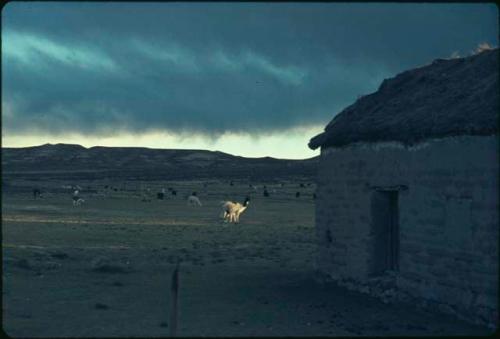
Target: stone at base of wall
x,y
385,289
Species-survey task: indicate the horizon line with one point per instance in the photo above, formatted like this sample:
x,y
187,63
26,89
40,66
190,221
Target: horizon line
x,y
153,148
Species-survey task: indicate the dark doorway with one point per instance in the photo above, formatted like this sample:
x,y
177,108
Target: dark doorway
x,y
385,230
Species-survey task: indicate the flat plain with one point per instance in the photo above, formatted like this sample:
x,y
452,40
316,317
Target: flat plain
x,y
104,269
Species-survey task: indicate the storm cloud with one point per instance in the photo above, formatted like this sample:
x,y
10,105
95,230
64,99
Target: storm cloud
x,y
212,68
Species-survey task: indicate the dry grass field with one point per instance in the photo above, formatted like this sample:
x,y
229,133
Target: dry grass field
x,y
104,268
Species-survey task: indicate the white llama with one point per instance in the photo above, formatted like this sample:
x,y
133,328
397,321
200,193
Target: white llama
x,y
232,210
193,200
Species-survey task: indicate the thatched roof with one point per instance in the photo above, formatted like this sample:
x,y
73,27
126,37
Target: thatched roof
x,y
446,98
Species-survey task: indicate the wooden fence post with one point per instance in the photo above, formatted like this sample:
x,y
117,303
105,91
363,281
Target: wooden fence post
x,y
174,293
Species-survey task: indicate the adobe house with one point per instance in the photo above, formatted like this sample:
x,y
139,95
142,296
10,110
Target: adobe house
x,y
407,189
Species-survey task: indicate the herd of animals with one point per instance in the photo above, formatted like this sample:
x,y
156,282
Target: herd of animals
x,y
231,210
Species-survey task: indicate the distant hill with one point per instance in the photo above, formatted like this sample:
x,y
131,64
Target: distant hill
x,y
78,162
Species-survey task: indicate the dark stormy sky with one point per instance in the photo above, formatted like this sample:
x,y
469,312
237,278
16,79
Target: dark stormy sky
x,y
252,79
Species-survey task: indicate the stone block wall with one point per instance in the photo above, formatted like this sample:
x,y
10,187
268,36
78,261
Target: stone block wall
x,y
448,219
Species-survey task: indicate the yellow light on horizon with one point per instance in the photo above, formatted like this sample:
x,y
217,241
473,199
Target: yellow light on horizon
x,y
288,144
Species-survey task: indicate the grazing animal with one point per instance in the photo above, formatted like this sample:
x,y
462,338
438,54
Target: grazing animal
x,y
193,200
160,195
174,192
146,194
231,183
77,201
37,193
297,194
301,185
232,210
266,193
314,195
